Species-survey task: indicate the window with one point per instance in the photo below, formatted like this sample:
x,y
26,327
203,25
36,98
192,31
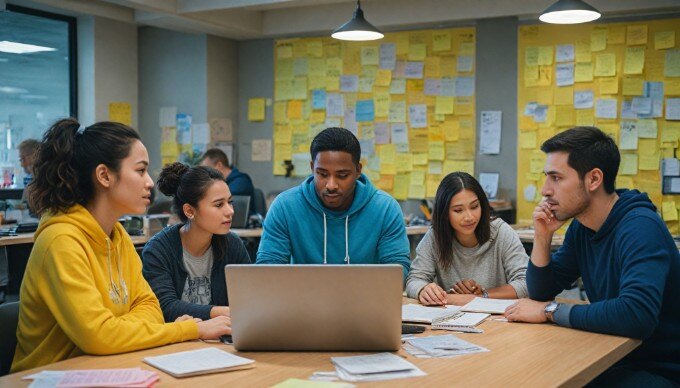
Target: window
x,y
37,81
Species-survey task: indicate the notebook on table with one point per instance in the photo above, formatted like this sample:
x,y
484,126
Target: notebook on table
x,y
199,362
487,305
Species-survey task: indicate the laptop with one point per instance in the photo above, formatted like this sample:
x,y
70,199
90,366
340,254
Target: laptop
x,y
241,205
315,307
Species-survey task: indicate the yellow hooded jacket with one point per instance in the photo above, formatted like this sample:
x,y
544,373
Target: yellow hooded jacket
x,y
66,306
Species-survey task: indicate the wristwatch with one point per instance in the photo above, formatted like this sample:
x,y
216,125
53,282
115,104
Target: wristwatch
x,y
550,309
485,293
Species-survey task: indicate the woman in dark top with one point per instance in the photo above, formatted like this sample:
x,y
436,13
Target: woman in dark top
x,y
184,263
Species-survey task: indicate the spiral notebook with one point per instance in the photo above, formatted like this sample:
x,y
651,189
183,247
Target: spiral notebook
x,y
460,322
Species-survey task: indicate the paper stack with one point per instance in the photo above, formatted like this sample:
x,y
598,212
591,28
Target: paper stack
x,y
131,377
441,346
198,362
374,367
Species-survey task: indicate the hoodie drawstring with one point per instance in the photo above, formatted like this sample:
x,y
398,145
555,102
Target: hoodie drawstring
x,y
325,236
115,293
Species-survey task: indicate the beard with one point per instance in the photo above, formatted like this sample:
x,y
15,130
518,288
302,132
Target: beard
x,y
579,204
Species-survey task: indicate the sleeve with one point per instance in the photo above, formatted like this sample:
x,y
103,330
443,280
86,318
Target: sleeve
x,y
544,283
241,185
161,279
71,294
393,247
514,259
239,252
423,268
644,255
275,247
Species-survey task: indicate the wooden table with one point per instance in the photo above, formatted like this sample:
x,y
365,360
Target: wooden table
x,y
520,354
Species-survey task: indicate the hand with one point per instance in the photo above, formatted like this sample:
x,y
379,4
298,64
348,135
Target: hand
x,y
526,310
545,223
459,299
467,286
187,317
216,311
214,328
432,294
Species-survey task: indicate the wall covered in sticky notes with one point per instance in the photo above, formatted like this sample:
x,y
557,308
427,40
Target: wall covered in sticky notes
x,y
409,98
623,78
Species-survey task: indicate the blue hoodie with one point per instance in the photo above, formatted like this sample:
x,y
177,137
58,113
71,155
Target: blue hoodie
x,y
631,273
300,230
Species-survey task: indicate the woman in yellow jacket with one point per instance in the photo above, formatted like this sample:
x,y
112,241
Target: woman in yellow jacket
x,y
83,291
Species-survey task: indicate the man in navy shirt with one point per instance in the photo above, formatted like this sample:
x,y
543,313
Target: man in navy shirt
x,y
239,183
619,246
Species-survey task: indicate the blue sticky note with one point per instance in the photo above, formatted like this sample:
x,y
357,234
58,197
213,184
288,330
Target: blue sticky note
x,y
318,99
365,110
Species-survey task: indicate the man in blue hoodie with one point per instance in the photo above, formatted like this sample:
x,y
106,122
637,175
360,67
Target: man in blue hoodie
x,y
336,216
239,183
619,246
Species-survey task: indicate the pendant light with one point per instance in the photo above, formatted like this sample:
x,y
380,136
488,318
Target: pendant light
x,y
357,28
569,12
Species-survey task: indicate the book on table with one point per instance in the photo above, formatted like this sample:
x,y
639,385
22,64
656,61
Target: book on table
x,y
198,362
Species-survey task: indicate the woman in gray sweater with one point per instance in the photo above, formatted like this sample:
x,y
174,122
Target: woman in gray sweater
x,y
466,253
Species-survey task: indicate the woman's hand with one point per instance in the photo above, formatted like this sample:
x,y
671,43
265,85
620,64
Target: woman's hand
x,y
467,286
214,328
187,317
432,294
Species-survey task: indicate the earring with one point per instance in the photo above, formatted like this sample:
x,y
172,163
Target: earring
x,y
191,217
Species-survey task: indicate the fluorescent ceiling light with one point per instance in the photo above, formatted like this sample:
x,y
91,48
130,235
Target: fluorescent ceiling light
x,y
569,12
12,89
22,48
357,29
32,97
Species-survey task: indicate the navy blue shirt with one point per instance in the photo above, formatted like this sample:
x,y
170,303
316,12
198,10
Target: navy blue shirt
x,y
240,184
631,273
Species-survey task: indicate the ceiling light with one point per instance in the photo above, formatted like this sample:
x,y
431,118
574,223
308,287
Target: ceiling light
x,y
357,28
12,89
569,12
22,48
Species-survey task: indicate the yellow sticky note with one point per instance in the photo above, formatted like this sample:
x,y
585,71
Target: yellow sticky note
x,y
537,162
531,73
629,164
671,86
664,40
436,150
420,159
624,182
404,162
441,41
598,39
417,177
528,140
636,34
609,85
585,117
416,191
669,211
432,183
401,184
672,64
256,109
605,65
670,131
466,48
169,149
531,56
435,133
582,51
649,162
386,182
283,135
417,52
633,86
564,95
387,154
381,101
369,55
444,105
616,35
545,55
451,130
462,106
284,50
432,66
383,77
315,48
294,109
388,169
120,112
583,72
635,60
564,116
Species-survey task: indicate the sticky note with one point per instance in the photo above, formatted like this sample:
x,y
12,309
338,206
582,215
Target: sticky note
x,y
609,85
436,150
294,109
369,55
531,56
417,52
565,95
672,64
636,35
598,39
545,55
528,140
669,211
616,35
629,164
605,65
583,72
633,86
441,41
664,40
256,109
444,105
634,61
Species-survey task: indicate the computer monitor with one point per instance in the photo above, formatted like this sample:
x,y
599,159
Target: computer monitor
x,y
241,205
315,307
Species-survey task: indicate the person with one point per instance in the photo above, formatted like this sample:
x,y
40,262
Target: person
x,y
184,263
28,150
83,291
336,215
466,253
239,183
619,246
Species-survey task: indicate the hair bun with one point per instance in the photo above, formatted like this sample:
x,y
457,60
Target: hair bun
x,y
168,180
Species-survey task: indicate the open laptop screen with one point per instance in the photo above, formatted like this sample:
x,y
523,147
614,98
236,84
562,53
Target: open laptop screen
x,y
241,205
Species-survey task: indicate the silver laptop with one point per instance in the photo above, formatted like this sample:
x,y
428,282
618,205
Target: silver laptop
x,y
241,205
315,307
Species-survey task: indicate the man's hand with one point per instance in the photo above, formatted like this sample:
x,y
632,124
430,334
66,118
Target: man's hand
x,y
526,310
459,299
467,286
545,223
432,294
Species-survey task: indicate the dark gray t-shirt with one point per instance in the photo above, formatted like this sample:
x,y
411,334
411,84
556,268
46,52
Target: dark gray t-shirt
x,y
197,285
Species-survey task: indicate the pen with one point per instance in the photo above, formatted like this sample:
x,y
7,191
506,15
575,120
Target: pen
x,y
462,329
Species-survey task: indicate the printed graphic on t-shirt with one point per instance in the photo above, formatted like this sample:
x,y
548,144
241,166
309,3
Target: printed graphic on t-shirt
x,y
197,290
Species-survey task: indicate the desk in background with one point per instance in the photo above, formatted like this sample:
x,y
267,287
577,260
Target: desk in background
x,y
520,354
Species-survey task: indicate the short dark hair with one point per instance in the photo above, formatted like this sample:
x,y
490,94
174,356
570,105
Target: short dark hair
x,y
336,139
29,147
67,158
588,148
216,155
189,185
444,234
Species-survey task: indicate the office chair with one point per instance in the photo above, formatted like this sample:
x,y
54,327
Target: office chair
x,y
260,204
9,319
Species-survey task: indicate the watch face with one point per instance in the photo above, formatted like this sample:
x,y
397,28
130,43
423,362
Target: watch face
x,y
551,307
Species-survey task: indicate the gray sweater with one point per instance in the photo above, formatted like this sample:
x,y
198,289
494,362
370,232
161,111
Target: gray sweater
x,y
501,260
